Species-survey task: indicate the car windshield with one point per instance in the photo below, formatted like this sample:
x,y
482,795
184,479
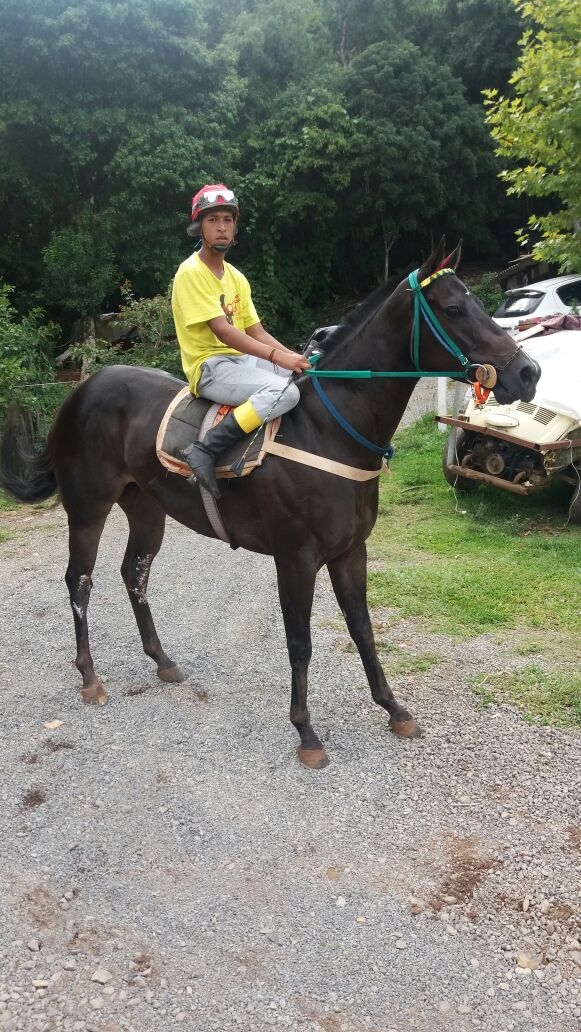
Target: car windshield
x,y
522,303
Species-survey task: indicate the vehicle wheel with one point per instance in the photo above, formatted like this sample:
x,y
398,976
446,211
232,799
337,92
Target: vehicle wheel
x,y
575,506
454,479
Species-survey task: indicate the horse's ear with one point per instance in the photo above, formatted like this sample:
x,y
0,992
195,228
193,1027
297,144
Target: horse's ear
x,y
453,260
434,262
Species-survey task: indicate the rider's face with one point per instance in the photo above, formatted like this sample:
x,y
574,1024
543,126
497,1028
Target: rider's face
x,y
218,227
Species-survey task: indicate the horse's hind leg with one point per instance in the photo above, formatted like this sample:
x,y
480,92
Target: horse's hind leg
x,y
146,529
84,539
296,585
349,579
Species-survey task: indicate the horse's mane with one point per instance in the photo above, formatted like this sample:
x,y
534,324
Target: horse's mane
x,y
355,321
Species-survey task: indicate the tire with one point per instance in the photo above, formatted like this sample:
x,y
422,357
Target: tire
x,y
575,506
454,479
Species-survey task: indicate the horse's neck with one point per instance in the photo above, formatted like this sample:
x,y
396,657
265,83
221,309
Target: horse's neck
x,y
374,406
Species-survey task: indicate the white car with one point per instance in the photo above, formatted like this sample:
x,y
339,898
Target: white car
x,y
522,447
556,296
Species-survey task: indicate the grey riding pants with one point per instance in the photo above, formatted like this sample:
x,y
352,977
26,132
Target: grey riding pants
x,y
233,379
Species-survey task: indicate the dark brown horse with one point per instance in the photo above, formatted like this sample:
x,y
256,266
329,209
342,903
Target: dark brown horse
x,y
101,450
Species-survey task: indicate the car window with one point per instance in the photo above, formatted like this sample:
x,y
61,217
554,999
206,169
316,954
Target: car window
x,y
570,293
522,303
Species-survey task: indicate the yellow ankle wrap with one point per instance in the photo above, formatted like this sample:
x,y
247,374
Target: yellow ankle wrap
x,y
247,417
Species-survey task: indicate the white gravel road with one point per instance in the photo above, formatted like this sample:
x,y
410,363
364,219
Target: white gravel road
x,y
165,863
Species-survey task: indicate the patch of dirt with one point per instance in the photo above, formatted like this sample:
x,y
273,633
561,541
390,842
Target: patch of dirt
x,y
41,908
335,1022
499,792
574,835
143,963
139,689
467,868
29,758
53,746
87,940
250,960
34,797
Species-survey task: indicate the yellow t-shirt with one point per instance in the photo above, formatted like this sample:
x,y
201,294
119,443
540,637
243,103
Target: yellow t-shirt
x,y
198,295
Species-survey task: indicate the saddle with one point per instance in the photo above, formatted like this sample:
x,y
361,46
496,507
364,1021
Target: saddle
x,y
187,419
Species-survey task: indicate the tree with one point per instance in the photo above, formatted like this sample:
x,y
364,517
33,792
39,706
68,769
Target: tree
x,y
476,39
108,112
539,128
79,267
299,169
423,159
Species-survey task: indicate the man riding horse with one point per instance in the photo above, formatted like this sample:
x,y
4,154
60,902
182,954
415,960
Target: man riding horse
x,y
227,355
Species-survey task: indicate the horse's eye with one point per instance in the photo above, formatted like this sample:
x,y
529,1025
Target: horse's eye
x,y
453,309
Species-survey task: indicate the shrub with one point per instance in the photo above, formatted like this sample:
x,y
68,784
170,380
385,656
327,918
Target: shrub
x,y
488,290
26,349
149,322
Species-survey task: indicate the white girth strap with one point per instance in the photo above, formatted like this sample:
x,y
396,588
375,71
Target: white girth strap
x,y
318,462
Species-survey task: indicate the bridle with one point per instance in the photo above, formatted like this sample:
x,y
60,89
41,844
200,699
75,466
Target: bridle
x,y
469,372
423,310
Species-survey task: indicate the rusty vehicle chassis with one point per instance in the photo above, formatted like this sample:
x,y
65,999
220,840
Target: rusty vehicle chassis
x,y
488,478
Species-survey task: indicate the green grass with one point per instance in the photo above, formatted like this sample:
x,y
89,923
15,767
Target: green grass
x,y
8,505
545,698
484,562
489,562
397,662
5,505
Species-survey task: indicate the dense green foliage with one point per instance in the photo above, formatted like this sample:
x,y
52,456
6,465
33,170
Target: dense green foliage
x,y
539,128
26,348
148,323
353,132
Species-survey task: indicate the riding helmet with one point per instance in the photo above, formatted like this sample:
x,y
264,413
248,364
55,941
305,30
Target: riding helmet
x,y
209,197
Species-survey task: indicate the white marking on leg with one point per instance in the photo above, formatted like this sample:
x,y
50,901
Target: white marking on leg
x,y
84,587
142,568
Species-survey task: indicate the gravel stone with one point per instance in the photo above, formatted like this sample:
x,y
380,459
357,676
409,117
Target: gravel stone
x,y
192,850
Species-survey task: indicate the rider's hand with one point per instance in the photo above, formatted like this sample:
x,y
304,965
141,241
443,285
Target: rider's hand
x,y
287,359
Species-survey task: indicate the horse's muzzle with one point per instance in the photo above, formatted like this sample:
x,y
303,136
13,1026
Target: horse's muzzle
x,y
518,379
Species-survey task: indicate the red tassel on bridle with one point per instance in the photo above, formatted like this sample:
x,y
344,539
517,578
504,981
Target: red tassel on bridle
x,y
444,264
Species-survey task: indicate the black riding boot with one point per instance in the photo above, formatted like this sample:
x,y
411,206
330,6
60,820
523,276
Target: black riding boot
x,y
201,456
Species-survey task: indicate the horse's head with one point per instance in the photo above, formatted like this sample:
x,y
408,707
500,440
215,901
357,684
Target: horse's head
x,y
475,335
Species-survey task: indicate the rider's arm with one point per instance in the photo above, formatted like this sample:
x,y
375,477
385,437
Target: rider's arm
x,y
256,341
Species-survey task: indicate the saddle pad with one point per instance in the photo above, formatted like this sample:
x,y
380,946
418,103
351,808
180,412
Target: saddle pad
x,y
181,424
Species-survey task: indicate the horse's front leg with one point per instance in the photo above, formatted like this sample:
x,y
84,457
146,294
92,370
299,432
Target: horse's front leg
x,y
349,579
296,584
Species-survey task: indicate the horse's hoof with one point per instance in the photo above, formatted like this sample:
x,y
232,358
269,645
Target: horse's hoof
x,y
95,695
405,728
172,674
314,759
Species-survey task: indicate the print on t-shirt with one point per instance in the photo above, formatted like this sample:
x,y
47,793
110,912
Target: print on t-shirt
x,y
231,308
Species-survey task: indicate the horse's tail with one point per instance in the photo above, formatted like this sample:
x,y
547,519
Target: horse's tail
x,y
25,473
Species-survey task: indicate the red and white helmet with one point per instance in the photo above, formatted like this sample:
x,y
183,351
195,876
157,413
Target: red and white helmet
x,y
208,198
